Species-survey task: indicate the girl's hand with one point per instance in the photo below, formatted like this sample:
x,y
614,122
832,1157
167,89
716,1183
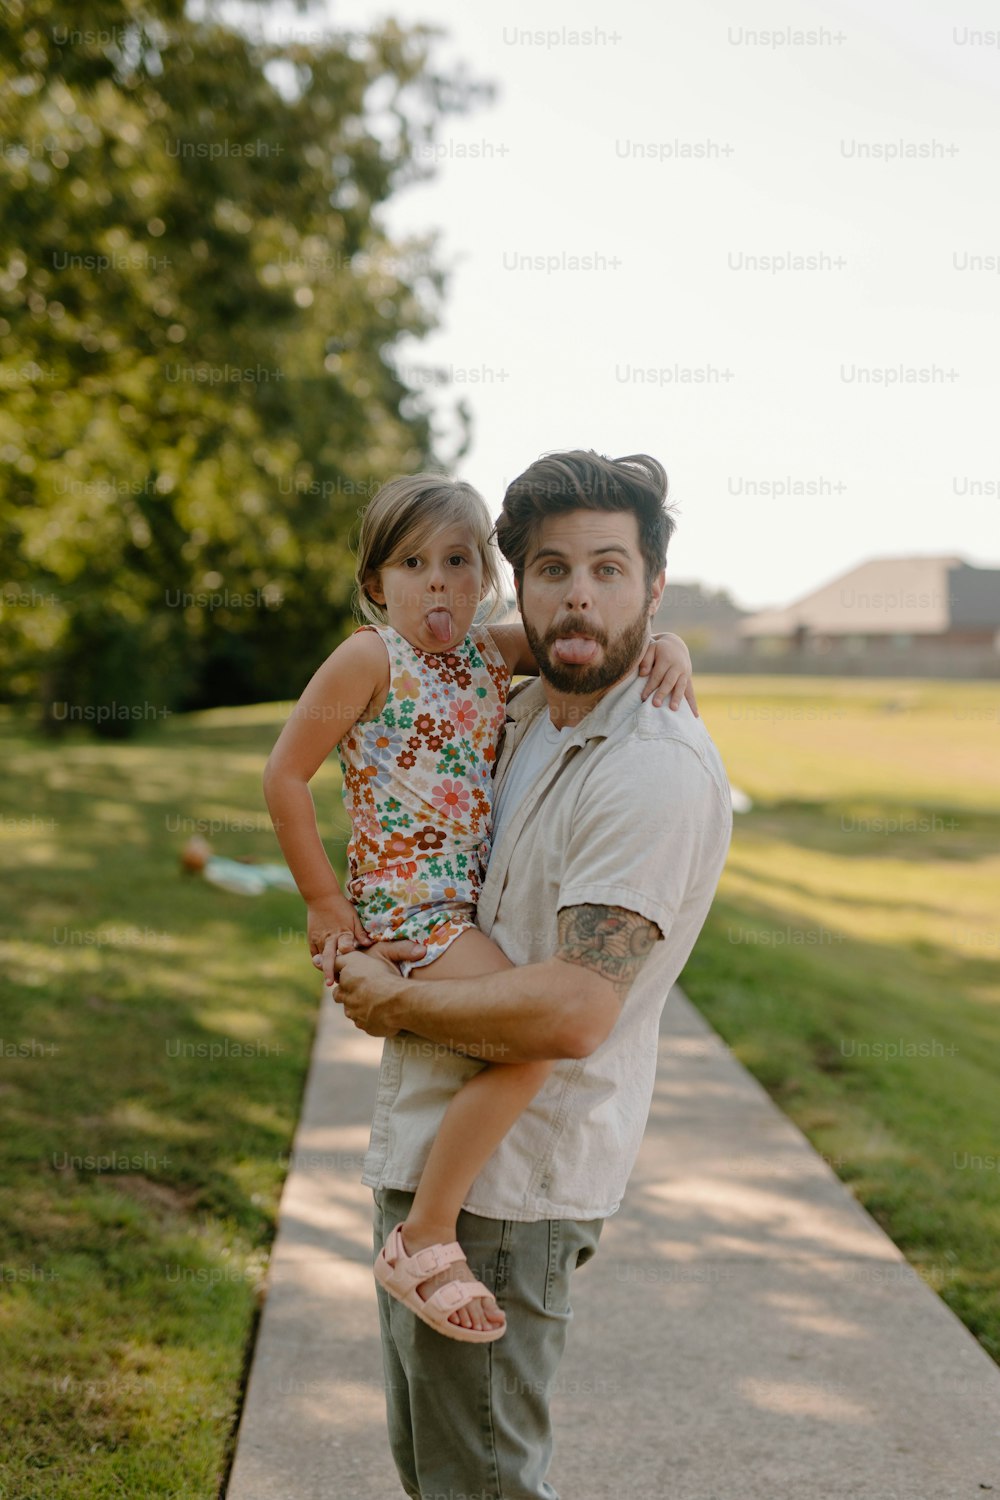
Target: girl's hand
x,y
667,662
334,918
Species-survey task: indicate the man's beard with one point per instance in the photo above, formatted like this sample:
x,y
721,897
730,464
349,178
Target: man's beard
x,y
620,655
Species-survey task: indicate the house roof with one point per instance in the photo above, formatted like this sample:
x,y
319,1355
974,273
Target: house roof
x,y
696,605
911,595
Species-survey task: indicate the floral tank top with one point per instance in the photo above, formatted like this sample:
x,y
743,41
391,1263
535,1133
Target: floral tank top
x,y
418,777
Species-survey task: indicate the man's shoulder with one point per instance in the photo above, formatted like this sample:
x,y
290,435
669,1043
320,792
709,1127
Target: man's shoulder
x,y
640,721
672,725
666,739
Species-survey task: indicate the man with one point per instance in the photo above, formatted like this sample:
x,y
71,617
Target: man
x,y
611,826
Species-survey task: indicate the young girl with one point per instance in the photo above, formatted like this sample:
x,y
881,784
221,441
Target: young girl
x,y
414,703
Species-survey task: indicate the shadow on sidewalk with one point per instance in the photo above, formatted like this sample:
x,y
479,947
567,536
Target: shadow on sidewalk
x,y
746,1329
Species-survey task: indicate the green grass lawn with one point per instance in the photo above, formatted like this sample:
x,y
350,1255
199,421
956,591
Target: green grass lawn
x,y
851,957
155,1036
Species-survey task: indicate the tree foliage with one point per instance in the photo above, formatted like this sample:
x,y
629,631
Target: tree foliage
x,y
198,313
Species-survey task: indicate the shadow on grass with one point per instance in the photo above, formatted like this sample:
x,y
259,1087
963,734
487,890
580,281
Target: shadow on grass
x,y
156,1033
857,828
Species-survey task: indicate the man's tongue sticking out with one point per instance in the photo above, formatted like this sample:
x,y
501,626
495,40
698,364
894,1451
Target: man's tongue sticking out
x,y
574,648
439,623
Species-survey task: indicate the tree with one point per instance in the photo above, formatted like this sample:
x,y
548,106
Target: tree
x,y
198,307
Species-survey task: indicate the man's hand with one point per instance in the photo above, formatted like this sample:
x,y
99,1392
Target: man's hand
x,y
368,985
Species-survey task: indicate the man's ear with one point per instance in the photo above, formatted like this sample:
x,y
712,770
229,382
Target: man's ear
x,y
657,592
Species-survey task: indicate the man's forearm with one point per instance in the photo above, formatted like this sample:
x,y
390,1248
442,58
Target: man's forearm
x,y
544,1010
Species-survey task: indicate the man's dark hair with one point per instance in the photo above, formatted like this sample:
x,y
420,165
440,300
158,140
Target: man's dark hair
x,y
584,480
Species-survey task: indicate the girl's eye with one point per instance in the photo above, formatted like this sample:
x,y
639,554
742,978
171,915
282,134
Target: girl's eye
x,y
458,558
408,560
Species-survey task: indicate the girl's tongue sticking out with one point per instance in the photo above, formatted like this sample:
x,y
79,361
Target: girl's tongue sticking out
x,y
439,623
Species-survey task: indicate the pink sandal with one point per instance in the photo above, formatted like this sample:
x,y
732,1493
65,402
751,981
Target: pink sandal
x,y
401,1274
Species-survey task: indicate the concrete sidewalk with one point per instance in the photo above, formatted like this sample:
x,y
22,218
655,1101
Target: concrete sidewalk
x,y
745,1332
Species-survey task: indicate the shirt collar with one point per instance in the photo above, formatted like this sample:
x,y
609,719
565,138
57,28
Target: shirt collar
x,y
528,700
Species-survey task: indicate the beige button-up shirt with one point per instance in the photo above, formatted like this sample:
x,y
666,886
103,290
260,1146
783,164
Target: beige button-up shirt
x,y
633,811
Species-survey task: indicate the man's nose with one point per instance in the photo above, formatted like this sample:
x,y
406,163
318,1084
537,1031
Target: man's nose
x,y
579,592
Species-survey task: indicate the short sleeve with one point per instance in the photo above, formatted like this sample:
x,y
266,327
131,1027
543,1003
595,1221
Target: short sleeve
x,y
648,831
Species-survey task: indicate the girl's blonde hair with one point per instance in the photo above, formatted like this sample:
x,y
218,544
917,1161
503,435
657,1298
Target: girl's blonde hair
x,y
402,517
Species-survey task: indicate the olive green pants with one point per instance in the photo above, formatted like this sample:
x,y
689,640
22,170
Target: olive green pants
x,y
471,1421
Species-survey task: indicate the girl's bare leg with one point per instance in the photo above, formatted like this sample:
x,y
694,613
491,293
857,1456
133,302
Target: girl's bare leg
x,y
474,1124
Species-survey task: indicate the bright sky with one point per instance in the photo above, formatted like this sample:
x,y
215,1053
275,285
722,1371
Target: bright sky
x,y
673,148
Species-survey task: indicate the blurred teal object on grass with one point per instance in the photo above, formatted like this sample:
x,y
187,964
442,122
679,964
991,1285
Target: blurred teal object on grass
x,y
235,874
247,880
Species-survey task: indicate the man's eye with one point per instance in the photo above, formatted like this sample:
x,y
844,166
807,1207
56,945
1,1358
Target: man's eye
x,y
608,568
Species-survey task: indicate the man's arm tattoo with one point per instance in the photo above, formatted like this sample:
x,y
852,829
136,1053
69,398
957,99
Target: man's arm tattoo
x,y
608,939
